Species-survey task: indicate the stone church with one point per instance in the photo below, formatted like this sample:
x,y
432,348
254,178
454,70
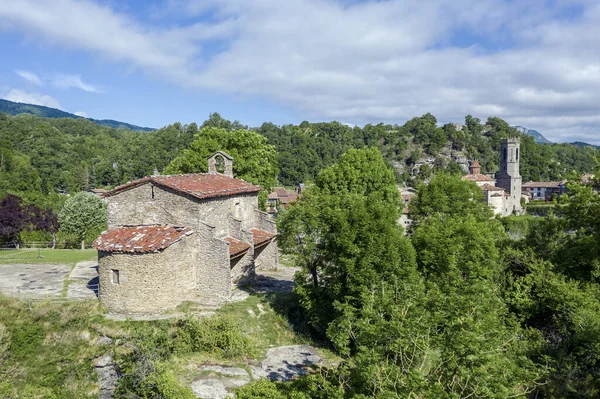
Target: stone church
x,y
502,194
178,238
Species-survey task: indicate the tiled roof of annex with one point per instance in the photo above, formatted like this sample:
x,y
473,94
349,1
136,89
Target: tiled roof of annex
x,y
140,239
198,185
477,177
237,248
261,237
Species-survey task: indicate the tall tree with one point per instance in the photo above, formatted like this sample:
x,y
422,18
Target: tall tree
x,y
254,159
344,234
12,219
83,214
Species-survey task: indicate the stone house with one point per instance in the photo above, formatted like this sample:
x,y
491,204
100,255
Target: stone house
x,y
283,197
539,190
178,238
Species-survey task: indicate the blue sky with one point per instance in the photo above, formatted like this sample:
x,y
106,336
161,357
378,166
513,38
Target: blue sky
x,y
535,63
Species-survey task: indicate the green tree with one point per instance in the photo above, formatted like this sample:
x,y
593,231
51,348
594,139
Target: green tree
x,y
82,215
344,234
254,159
447,194
457,245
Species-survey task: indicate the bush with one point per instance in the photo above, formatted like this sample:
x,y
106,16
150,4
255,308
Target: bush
x,y
221,336
146,377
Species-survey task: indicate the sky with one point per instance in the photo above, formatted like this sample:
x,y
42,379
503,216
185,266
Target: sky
x,y
534,63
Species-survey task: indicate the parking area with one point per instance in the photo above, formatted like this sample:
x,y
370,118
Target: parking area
x,y
38,281
33,281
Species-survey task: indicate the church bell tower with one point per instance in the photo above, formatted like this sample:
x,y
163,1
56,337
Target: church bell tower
x,y
509,177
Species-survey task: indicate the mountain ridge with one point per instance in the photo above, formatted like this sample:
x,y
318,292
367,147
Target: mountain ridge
x,y
537,136
13,108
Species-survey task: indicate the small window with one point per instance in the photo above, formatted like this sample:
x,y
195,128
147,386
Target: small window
x,y
152,192
517,154
115,277
220,164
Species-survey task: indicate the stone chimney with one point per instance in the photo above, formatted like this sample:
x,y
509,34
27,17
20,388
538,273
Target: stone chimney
x,y
475,168
222,163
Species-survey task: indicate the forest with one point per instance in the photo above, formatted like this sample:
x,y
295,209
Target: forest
x,y
43,157
43,160
462,305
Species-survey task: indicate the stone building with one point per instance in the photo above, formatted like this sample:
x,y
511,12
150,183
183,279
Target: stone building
x,y
502,194
179,238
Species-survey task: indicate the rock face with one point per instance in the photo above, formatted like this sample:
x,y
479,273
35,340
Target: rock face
x,y
281,364
287,362
107,376
215,381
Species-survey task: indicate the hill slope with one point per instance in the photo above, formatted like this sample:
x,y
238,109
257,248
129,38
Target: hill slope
x,y
537,136
13,108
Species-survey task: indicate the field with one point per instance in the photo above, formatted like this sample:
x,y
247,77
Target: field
x,y
57,256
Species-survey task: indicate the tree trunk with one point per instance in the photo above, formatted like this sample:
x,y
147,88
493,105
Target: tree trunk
x,y
54,241
313,271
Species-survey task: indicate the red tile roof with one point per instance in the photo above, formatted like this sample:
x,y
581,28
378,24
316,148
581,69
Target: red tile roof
x,y
261,237
140,238
284,195
198,185
544,184
236,248
475,164
477,177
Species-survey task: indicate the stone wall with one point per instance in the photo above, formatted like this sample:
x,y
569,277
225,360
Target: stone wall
x,y
213,278
217,211
264,222
149,282
242,269
149,204
267,257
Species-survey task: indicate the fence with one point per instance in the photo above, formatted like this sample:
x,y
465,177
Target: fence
x,y
44,244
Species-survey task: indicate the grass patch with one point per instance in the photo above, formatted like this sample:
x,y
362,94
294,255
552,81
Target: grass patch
x,y
49,349
286,261
58,256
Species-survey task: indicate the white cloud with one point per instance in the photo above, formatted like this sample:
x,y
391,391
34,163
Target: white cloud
x,y
29,76
533,63
81,113
75,81
21,96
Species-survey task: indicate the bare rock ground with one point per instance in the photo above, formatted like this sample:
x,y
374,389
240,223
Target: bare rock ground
x,y
107,376
282,363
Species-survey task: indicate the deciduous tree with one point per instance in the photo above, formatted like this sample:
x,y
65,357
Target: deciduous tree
x,y
83,214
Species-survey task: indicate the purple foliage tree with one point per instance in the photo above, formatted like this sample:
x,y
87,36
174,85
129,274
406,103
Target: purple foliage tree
x,y
12,219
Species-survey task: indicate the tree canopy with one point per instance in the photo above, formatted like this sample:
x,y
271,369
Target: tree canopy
x,y
254,160
83,214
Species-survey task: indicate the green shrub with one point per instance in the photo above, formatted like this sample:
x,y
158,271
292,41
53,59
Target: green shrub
x,y
26,339
146,377
221,336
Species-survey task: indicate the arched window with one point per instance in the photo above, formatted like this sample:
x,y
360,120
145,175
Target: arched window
x,y
517,154
220,164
